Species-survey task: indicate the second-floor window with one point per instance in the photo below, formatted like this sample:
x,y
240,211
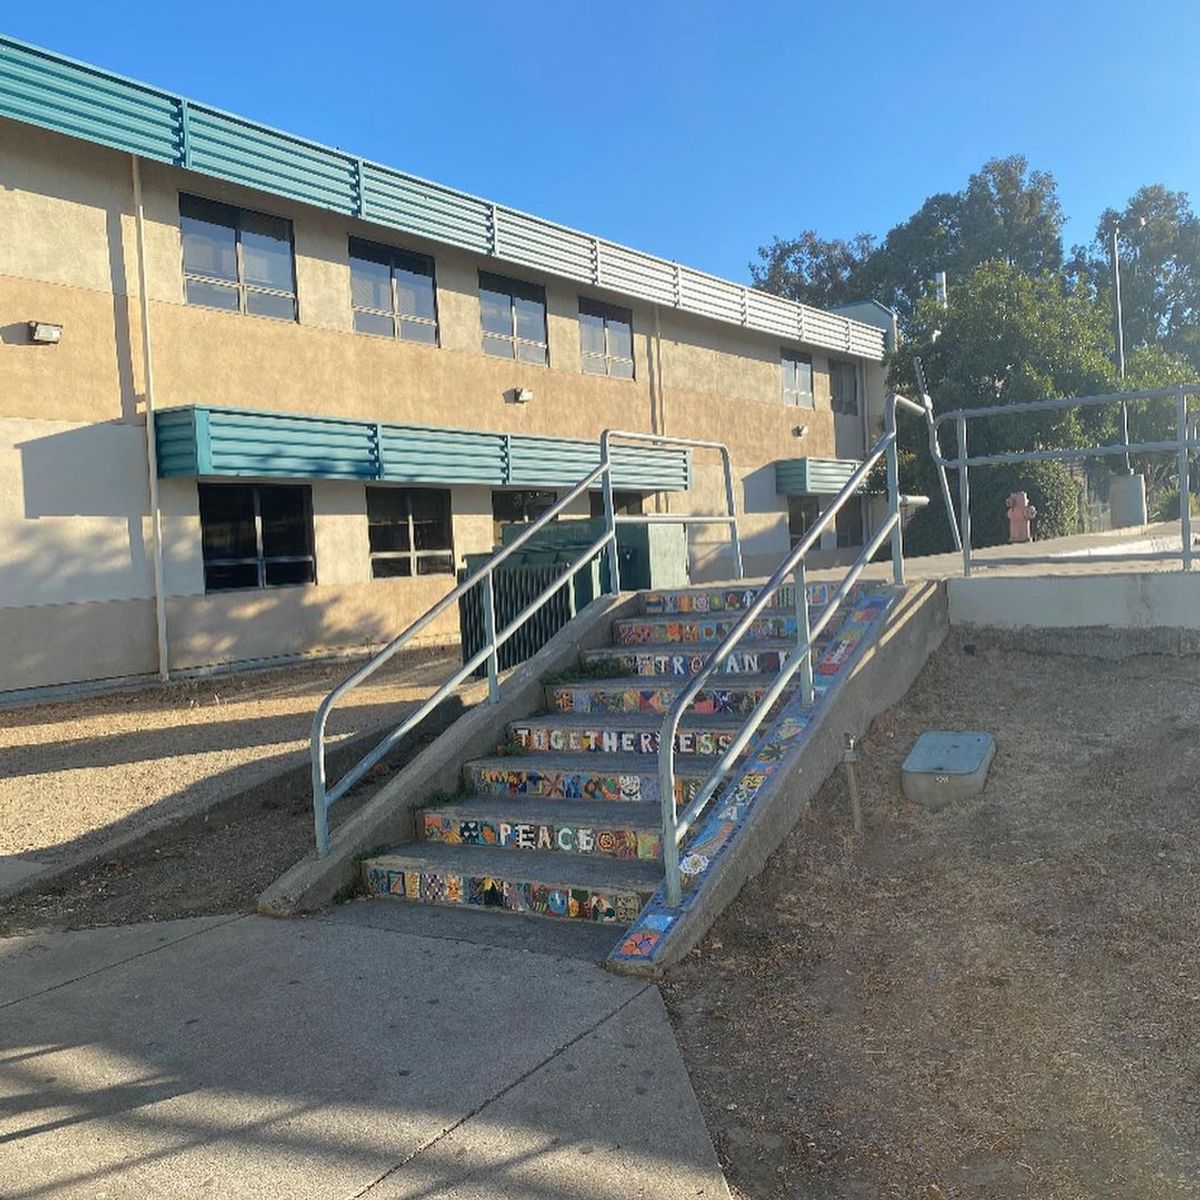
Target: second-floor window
x,y
236,259
513,316
606,339
797,373
393,293
843,387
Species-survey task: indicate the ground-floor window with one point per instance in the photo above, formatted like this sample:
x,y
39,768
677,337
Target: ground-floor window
x,y
849,522
409,531
519,508
256,535
803,512
625,504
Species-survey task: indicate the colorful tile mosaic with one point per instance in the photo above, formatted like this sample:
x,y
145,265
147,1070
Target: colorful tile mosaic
x,y
740,662
582,698
573,785
539,736
487,891
776,750
612,842
711,600
641,631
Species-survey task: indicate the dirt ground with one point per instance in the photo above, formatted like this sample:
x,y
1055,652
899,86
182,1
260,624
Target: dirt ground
x,y
77,774
1001,999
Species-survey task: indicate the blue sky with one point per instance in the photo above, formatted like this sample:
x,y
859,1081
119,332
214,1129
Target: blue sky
x,y
692,130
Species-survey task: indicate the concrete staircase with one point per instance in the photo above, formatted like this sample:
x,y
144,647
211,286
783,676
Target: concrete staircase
x,y
564,820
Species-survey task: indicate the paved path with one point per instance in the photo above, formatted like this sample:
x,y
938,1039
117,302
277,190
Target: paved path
x,y
343,1056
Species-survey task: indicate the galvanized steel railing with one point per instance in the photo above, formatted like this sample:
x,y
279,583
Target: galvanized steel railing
x,y
1184,441
324,796
676,825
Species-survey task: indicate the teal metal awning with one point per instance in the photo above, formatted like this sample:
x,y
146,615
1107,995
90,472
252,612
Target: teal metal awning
x,y
813,476
209,441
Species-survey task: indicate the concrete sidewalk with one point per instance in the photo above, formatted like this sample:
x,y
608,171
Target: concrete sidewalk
x,y
244,1057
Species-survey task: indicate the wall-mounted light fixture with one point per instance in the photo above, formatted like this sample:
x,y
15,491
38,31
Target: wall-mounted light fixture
x,y
45,333
522,395
800,431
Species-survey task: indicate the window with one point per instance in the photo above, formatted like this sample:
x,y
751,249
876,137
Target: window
x,y
803,512
849,524
625,504
519,508
256,536
238,260
606,339
409,531
513,315
393,293
843,387
796,371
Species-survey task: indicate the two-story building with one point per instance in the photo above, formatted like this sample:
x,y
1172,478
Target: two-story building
x,y
354,377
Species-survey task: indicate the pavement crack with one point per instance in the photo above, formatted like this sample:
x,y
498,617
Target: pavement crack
x,y
120,962
508,1087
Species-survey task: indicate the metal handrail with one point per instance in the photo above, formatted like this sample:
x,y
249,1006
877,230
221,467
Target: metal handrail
x,y
1187,438
324,797
675,825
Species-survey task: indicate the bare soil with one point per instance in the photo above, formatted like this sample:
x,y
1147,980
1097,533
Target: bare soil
x,y
1001,999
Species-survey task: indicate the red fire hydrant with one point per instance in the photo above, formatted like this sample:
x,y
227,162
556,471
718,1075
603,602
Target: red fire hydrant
x,y
1020,517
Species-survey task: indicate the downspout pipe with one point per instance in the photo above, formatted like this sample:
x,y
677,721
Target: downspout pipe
x,y
160,600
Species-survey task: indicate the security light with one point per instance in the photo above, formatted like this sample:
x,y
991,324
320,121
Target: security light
x,y
800,431
522,395
44,333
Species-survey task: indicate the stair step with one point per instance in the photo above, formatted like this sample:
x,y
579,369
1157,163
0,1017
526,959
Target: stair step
x,y
620,778
701,629
628,733
753,658
579,886
732,598
631,830
736,695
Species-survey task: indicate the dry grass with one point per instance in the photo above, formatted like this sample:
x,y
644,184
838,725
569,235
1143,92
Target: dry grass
x,y
998,1000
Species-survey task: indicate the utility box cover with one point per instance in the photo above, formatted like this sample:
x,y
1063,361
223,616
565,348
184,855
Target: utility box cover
x,y
945,766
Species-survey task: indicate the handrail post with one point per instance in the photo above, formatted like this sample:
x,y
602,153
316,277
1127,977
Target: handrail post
x,y
610,517
804,635
489,633
735,540
964,496
1185,490
670,842
320,803
893,486
935,451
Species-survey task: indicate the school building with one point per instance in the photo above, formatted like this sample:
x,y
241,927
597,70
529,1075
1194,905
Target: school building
x,y
261,398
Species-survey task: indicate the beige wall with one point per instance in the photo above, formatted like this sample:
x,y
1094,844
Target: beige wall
x,y
77,530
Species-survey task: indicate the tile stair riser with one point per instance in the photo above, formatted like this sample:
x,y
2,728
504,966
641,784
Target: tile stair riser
x,y
612,841
615,906
597,784
546,737
702,631
579,698
705,601
632,662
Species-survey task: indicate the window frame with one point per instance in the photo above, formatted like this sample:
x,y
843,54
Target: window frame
x,y
412,554
397,317
607,312
796,505
787,356
239,286
261,560
509,284
836,402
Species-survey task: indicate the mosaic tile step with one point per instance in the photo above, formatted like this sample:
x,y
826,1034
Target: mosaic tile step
x,y
569,886
697,630
756,658
631,830
732,597
575,777
737,695
628,733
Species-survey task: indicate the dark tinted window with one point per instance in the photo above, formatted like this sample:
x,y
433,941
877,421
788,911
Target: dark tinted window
x,y
256,535
410,531
393,292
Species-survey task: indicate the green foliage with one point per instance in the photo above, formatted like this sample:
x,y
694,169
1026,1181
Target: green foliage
x,y
1049,485
1165,505
811,270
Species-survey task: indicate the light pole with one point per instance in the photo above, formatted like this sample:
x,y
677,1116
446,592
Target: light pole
x,y
1136,515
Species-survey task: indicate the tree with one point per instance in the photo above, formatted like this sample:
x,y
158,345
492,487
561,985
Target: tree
x,y
1005,212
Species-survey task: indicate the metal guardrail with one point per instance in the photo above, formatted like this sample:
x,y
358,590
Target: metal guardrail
x,y
1184,441
676,825
325,796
